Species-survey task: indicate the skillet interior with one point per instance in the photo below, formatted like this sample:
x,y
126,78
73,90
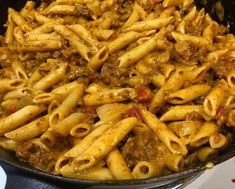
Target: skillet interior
x,y
10,159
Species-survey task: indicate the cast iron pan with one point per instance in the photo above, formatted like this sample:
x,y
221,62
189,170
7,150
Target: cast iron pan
x,y
10,159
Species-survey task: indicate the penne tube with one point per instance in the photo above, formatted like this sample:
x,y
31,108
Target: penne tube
x,y
11,84
18,35
74,40
180,112
41,18
208,33
70,2
65,125
149,24
87,141
203,134
206,153
167,12
35,76
18,19
102,34
174,83
38,46
187,4
134,17
47,98
52,106
60,10
48,138
19,70
123,40
190,16
109,96
158,80
94,173
84,34
118,166
9,36
9,144
231,118
188,94
104,144
45,28
146,169
81,130
66,89
196,74
66,106
62,162
231,79
185,128
51,78
168,70
18,118
30,130
172,3
95,87
99,58
215,98
20,93
174,162
111,113
140,51
195,40
43,37
218,141
173,143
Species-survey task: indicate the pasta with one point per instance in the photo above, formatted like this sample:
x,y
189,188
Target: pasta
x,y
115,90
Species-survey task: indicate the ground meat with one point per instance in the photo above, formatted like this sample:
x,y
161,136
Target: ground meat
x,y
36,156
142,147
39,157
222,68
111,74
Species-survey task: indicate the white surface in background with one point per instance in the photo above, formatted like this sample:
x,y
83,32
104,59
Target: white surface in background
x,y
219,177
3,178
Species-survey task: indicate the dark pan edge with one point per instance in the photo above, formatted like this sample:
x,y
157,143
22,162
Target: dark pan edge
x,y
173,177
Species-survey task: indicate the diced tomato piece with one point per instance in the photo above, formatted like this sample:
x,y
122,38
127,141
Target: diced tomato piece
x,y
89,110
220,112
133,112
143,94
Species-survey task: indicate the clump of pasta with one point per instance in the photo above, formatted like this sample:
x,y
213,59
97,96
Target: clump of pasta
x,y
115,90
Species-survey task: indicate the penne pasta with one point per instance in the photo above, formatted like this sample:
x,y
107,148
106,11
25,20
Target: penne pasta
x,y
66,106
108,140
149,24
30,130
51,78
188,94
109,96
18,118
117,166
173,143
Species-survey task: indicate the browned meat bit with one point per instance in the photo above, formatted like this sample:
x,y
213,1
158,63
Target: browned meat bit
x,y
39,156
222,68
111,74
187,53
36,156
142,147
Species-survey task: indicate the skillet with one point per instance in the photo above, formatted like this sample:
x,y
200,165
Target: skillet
x,y
9,158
